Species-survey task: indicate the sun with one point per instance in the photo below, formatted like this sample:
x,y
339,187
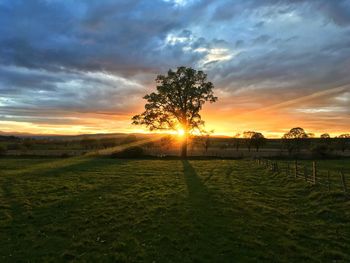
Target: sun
x,y
180,132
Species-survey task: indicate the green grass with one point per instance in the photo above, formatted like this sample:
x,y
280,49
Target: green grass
x,y
332,167
107,210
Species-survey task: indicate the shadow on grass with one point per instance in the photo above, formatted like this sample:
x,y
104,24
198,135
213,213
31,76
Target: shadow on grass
x,y
209,224
198,194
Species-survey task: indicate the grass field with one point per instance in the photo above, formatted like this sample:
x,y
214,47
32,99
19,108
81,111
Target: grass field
x,y
108,210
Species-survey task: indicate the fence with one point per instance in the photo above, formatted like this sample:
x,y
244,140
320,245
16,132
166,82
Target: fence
x,y
332,180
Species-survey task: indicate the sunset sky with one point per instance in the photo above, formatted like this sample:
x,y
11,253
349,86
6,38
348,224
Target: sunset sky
x,y
69,67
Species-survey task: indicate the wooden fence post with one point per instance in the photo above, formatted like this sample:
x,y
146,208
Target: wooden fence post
x,y
328,181
314,171
343,181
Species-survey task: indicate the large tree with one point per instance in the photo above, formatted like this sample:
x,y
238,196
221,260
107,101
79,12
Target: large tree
x,y
258,140
294,139
247,135
176,104
343,141
255,139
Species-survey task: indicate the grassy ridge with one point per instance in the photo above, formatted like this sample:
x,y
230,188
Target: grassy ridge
x,y
89,209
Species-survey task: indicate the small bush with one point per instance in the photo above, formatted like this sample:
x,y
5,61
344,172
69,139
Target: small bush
x,y
321,150
130,152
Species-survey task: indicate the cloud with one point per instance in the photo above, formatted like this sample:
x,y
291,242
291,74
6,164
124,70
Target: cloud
x,y
102,56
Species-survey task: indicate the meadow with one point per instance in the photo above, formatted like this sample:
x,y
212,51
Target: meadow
x,y
88,209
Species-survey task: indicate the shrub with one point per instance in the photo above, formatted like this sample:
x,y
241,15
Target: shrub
x,y
130,152
321,150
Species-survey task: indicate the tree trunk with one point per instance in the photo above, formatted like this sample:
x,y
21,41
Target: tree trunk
x,y
184,147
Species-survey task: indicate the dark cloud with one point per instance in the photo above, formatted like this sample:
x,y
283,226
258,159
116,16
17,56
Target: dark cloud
x,y
91,56
262,39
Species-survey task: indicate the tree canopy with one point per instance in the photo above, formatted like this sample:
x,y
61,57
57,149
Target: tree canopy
x,y
256,139
296,133
325,136
176,103
294,139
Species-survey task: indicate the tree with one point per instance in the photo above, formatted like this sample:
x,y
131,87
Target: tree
x,y
325,136
206,141
296,133
247,135
177,102
258,140
311,135
343,141
294,138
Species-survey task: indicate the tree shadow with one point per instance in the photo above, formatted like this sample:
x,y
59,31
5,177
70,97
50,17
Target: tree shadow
x,y
198,194
209,224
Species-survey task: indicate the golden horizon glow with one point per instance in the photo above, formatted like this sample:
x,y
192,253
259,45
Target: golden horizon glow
x,y
226,118
29,128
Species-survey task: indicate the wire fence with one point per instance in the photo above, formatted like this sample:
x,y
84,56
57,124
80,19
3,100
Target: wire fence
x,y
332,180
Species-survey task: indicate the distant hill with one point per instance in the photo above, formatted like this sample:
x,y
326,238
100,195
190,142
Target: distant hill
x,y
9,138
19,135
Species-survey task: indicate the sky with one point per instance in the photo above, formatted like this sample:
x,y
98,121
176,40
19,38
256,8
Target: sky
x,y
74,66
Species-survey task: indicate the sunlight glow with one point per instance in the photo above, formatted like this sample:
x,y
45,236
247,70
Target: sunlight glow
x,y
180,132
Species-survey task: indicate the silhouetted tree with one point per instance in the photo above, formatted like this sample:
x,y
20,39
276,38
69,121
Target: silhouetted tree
x,y
325,140
343,141
258,140
247,135
236,141
311,135
177,102
325,136
205,140
294,139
